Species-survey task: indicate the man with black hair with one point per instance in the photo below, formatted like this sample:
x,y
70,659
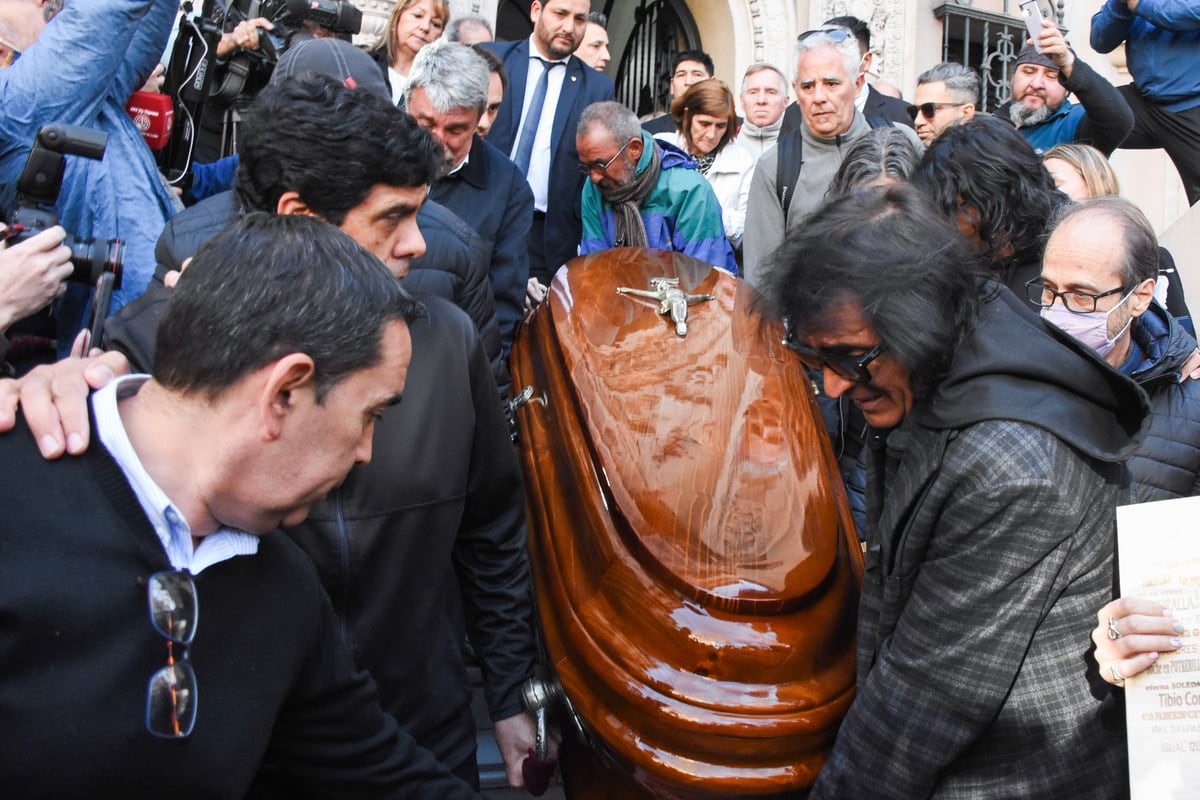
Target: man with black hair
x,y
284,343
687,67
986,178
593,50
994,470
869,100
440,510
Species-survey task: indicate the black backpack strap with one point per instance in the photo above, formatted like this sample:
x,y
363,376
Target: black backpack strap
x,y
789,151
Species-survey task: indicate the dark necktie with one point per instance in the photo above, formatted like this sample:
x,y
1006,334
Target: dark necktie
x,y
534,117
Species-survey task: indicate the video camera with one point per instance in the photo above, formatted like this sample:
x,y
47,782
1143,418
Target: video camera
x,y
192,79
96,263
37,191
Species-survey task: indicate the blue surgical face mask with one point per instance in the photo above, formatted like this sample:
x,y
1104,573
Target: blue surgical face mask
x,y
1090,328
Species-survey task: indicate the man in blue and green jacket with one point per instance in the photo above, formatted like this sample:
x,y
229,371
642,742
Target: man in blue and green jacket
x,y
644,193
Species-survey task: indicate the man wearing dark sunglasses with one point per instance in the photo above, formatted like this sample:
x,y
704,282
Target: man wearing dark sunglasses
x,y
946,95
993,474
162,638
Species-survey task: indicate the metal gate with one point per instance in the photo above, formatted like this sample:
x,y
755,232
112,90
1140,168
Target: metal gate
x,y
644,76
988,41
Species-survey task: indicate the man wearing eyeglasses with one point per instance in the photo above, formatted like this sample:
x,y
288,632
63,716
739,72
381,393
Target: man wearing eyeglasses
x,y
1043,76
946,95
162,637
1097,284
642,192
993,474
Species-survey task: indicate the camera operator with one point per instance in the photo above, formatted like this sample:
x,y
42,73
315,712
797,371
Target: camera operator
x,y
77,62
32,274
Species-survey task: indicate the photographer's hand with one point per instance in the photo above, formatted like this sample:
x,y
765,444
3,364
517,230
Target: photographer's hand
x,y
32,274
245,36
54,399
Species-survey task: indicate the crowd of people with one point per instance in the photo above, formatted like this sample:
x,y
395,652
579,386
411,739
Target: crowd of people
x,y
1000,349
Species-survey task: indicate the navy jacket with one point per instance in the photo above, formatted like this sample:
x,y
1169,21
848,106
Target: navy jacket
x,y
581,87
1167,465
491,195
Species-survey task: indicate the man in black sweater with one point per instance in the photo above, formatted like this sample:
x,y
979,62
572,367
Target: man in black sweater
x,y
437,519
283,343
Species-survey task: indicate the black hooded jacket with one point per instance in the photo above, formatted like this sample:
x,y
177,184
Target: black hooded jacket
x,y
991,512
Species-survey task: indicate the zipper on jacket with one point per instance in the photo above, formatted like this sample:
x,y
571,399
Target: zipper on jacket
x,y
342,606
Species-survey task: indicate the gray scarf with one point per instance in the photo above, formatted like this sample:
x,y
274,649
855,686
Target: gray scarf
x,y
627,200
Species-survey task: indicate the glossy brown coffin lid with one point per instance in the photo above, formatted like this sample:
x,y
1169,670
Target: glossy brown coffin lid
x,y
695,561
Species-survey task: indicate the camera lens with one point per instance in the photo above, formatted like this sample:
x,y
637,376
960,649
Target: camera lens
x,y
92,259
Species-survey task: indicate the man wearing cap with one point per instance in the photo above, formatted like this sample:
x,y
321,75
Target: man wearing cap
x,y
439,513
1044,75
457,271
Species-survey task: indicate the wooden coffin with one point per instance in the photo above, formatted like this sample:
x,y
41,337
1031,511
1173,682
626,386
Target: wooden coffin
x,y
695,562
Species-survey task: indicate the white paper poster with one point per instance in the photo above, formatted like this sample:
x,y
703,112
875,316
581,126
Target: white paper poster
x,y
1159,556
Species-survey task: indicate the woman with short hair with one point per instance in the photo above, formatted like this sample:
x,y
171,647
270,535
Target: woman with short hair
x,y
706,123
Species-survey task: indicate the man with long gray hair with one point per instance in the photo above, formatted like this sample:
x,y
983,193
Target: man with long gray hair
x,y
643,192
447,95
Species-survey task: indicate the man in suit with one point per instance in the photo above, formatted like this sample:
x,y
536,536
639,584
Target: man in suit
x,y
543,68
447,95
869,100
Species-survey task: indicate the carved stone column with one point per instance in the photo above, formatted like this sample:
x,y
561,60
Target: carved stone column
x,y
887,20
374,23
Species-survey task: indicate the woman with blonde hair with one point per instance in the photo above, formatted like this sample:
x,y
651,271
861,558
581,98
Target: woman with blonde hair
x,y
412,25
706,123
1081,171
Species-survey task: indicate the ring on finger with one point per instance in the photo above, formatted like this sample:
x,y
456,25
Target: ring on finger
x,y
1118,678
1113,633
